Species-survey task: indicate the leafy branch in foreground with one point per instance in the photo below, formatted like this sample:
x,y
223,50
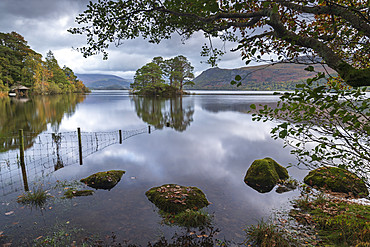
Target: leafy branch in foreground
x,y
324,125
335,33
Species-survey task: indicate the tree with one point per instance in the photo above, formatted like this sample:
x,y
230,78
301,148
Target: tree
x,y
337,31
148,75
181,71
178,70
14,54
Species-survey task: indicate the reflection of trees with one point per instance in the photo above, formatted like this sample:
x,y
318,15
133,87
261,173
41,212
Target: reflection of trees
x,y
161,112
33,116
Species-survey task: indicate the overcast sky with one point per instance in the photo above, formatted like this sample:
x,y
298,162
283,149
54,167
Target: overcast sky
x,y
44,24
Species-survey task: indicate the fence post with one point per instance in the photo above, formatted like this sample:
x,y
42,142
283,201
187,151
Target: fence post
x,y
120,136
79,144
21,156
149,129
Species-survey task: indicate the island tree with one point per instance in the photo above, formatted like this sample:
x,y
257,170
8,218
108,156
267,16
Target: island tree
x,y
181,71
336,31
163,77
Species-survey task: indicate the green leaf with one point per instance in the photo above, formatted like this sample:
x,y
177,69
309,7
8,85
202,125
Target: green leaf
x,y
309,68
283,134
238,77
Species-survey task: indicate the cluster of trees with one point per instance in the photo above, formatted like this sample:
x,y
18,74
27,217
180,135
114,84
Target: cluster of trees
x,y
20,65
164,77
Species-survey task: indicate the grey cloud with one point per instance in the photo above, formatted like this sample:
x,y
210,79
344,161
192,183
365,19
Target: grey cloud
x,y
44,24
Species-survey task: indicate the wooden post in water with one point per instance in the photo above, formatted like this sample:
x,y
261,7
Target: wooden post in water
x,y
120,136
79,144
21,156
149,129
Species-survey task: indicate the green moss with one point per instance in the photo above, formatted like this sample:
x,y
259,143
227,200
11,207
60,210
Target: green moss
x,y
75,193
336,180
173,198
338,222
187,218
103,180
264,174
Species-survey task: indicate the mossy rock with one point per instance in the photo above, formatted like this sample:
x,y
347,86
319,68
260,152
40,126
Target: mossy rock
x,y
336,180
173,198
264,174
76,193
103,180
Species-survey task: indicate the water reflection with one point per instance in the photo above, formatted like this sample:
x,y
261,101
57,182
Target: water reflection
x,y
161,112
213,155
33,116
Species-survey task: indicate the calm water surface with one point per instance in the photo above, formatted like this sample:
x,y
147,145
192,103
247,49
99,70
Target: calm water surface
x,y
207,141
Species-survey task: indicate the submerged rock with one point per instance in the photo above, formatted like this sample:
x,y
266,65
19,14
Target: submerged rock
x,y
187,218
173,198
337,180
103,180
264,174
75,193
286,186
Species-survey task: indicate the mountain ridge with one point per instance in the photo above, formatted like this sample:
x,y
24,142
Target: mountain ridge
x,y
282,76
104,81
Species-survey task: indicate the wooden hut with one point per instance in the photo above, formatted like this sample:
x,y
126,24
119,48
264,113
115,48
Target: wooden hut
x,y
18,90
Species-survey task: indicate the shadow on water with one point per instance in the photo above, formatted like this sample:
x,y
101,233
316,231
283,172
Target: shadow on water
x,y
164,112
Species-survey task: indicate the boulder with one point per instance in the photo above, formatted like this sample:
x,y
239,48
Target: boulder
x,y
336,180
264,174
103,180
173,198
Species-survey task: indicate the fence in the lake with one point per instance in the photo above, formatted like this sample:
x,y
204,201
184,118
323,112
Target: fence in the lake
x,y
26,155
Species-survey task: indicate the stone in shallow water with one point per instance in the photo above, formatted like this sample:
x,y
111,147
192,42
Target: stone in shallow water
x,y
173,198
264,174
76,193
337,180
103,180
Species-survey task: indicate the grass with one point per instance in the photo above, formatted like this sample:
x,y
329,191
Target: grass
x,y
266,234
37,197
338,222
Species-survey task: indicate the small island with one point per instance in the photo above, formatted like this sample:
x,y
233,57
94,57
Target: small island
x,y
165,78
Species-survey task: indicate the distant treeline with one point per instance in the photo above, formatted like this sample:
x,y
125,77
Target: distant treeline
x,y
20,65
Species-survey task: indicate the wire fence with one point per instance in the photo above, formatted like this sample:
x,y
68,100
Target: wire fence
x,y
49,152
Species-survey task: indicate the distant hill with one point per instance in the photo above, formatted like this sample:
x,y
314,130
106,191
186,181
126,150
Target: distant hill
x,y
282,76
101,81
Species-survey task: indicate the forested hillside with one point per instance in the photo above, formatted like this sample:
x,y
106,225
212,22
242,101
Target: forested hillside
x,y
276,77
20,65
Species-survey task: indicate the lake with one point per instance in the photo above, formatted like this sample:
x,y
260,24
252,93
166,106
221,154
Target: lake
x,y
207,140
